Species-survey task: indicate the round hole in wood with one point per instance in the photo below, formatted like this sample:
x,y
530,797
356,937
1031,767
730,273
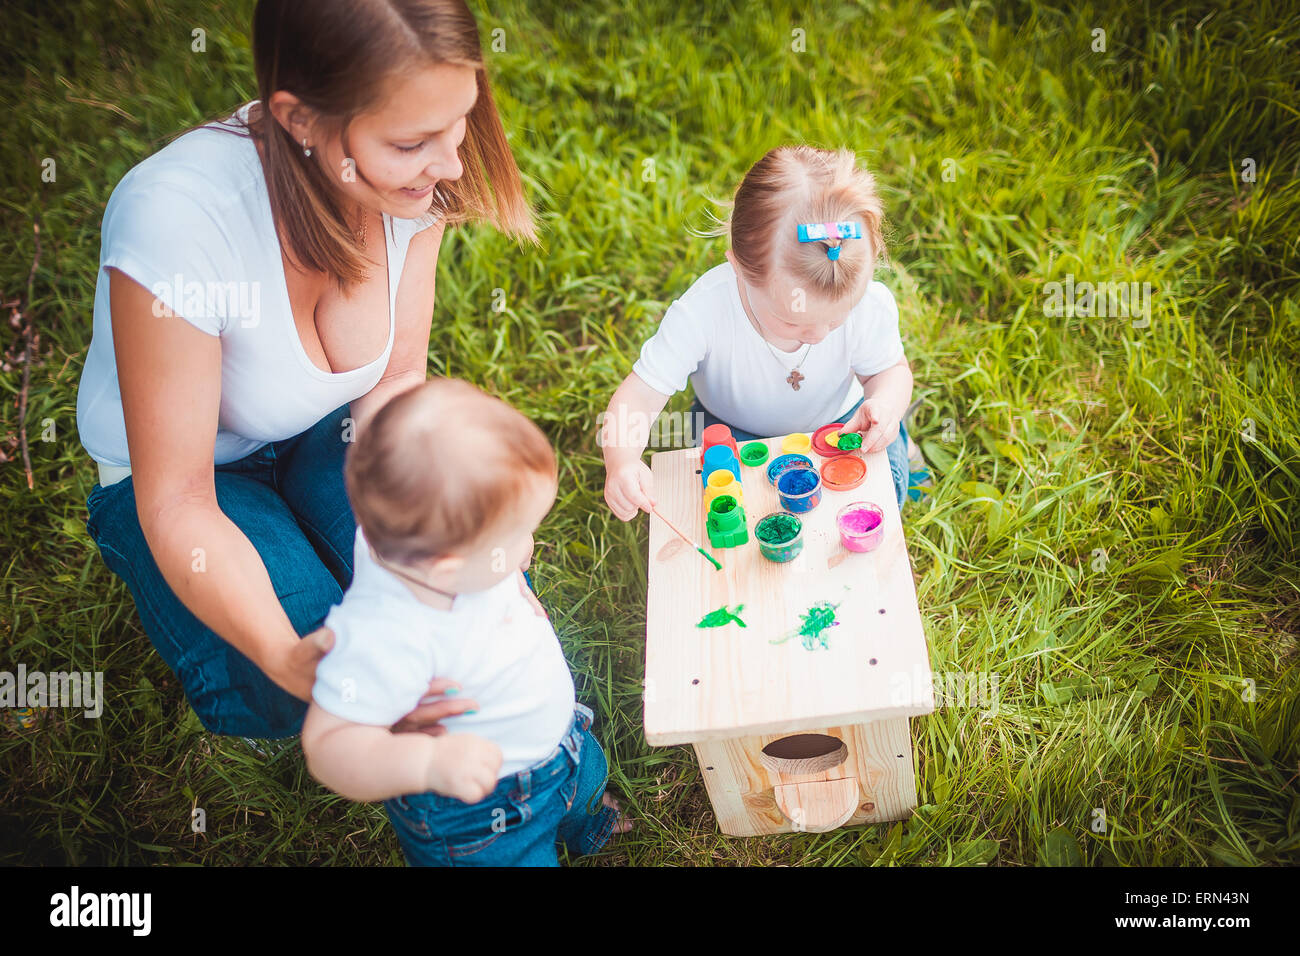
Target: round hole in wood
x,y
804,753
872,661
694,682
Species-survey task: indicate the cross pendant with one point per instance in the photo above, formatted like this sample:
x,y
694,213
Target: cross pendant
x,y
795,378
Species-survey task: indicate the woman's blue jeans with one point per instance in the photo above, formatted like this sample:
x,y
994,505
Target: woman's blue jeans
x,y
897,450
558,798
288,498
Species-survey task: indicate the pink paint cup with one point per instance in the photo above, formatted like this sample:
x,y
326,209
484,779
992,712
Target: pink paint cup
x,y
861,525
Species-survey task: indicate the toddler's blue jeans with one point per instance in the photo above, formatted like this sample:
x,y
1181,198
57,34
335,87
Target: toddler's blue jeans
x,y
897,450
518,824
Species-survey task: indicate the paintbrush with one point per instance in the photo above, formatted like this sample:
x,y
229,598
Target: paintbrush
x,y
708,557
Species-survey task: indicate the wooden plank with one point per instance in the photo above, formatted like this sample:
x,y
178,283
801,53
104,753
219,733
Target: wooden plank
x,y
744,792
720,683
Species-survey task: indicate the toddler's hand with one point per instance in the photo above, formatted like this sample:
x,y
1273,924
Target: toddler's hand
x,y
629,489
464,766
879,426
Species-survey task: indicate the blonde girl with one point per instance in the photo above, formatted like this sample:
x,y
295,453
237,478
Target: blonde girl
x,y
790,333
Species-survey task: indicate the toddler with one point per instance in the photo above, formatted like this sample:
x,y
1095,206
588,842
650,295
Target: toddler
x,y
790,333
448,486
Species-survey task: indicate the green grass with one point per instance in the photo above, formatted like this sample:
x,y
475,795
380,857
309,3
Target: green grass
x,y
1123,677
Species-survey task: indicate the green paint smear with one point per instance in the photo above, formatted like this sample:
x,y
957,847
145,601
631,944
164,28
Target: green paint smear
x,y
722,616
777,529
813,629
850,441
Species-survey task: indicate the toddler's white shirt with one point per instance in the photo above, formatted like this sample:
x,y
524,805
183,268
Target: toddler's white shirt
x,y
388,646
706,338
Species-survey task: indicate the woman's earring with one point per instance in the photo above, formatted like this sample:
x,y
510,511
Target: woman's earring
x,y
306,150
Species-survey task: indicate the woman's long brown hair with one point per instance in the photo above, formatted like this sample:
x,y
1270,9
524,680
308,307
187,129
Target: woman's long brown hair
x,y
337,56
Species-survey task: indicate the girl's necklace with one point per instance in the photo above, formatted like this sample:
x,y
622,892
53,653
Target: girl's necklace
x,y
795,376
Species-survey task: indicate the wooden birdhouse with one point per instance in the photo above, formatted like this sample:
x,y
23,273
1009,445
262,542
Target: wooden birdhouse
x,y
799,718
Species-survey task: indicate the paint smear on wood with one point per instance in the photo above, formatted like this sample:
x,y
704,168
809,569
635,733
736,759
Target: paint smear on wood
x,y
671,549
722,617
814,623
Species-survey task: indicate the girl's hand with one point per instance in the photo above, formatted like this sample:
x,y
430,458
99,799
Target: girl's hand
x,y
878,424
424,719
464,766
628,489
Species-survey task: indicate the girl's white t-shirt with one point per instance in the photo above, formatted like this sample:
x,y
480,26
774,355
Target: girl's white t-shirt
x,y
388,646
706,338
192,223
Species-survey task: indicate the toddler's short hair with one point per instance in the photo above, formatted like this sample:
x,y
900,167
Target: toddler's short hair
x,y
798,184
437,465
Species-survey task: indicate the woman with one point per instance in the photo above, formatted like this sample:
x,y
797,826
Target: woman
x,y
265,286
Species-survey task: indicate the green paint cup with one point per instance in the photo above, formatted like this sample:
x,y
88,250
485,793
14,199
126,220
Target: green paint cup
x,y
724,515
780,537
754,454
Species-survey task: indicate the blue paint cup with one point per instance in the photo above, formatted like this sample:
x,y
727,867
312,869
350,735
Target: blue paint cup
x,y
716,458
783,463
800,490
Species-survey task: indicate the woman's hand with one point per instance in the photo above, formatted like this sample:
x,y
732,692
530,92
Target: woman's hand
x,y
878,423
629,488
295,671
294,666
424,719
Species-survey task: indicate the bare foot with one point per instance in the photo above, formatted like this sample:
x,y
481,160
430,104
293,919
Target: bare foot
x,y
623,824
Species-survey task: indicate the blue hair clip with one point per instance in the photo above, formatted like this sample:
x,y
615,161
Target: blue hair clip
x,y
824,231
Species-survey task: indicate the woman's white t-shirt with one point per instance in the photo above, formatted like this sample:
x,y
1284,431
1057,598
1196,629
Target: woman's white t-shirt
x,y
706,338
193,224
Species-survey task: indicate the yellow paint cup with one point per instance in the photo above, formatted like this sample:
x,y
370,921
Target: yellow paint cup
x,y
797,443
726,484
